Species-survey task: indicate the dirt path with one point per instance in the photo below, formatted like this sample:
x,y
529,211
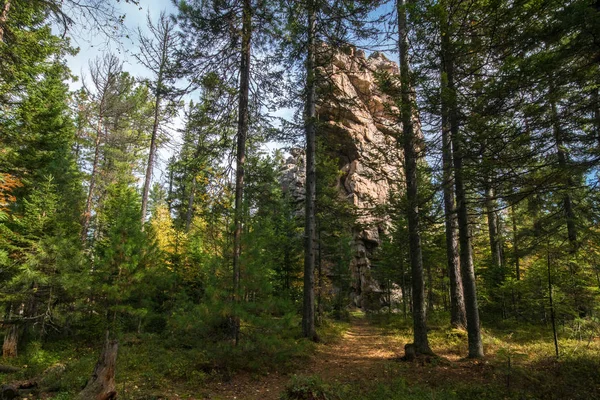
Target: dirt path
x,y
359,355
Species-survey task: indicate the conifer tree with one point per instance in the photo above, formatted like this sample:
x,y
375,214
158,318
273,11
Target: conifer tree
x,y
314,28
159,53
411,146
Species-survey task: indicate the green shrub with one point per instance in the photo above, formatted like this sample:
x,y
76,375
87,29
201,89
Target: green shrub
x,y
308,388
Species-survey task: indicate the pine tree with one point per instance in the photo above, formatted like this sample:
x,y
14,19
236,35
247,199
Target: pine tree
x,y
159,54
411,146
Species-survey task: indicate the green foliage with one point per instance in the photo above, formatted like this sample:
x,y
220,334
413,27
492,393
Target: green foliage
x,y
308,388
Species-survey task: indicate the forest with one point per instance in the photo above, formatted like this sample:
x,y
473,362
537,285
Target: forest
x,y
300,199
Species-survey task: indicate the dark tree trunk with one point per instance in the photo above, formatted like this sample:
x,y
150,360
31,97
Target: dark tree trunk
x,y
466,252
466,259
563,165
308,308
515,243
320,279
551,300
410,145
403,284
458,316
494,231
596,106
242,134
430,294
190,210
101,385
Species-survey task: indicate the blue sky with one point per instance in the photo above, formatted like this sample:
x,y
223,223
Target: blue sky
x,y
94,47
90,48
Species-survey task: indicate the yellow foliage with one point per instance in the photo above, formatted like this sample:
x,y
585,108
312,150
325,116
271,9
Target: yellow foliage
x,y
167,237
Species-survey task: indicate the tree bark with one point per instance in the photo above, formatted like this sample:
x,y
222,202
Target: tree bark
x,y
87,216
551,300
101,385
242,134
493,231
4,18
466,252
308,308
190,210
164,54
458,316
410,145
152,153
515,243
563,165
11,342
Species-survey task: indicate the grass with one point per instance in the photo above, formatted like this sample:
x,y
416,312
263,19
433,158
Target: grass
x,y
152,366
519,364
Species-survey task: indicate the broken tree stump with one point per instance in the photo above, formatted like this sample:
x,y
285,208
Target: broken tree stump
x,y
101,385
410,353
11,340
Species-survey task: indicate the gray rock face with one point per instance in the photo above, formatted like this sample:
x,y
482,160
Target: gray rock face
x,y
360,129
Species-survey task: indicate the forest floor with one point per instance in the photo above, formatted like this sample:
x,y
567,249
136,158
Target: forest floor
x,y
365,364
360,355
356,360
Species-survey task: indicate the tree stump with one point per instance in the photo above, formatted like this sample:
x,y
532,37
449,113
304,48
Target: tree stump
x,y
101,385
11,340
9,392
410,353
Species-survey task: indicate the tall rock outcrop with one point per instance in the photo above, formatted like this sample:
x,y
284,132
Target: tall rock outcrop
x,y
359,128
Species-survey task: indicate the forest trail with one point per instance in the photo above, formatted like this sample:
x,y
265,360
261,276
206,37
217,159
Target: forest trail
x,y
359,355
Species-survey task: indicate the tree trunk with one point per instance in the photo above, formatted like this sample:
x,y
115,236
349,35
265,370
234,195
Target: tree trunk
x,y
493,232
101,385
320,279
410,144
151,155
90,197
403,285
156,122
430,294
458,316
515,243
552,315
190,210
596,106
242,134
11,342
170,190
4,18
308,308
563,165
466,259
466,252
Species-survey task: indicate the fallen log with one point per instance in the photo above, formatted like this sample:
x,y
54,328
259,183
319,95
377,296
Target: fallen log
x,y
8,369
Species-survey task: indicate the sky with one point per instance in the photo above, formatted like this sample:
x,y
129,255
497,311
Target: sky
x,y
91,48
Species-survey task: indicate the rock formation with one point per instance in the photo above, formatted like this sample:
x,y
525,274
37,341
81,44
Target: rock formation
x,y
360,129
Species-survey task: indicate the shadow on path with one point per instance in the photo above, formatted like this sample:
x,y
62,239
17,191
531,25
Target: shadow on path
x,y
360,355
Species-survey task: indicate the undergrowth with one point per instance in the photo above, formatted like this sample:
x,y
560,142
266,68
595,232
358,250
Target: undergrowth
x,y
152,366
